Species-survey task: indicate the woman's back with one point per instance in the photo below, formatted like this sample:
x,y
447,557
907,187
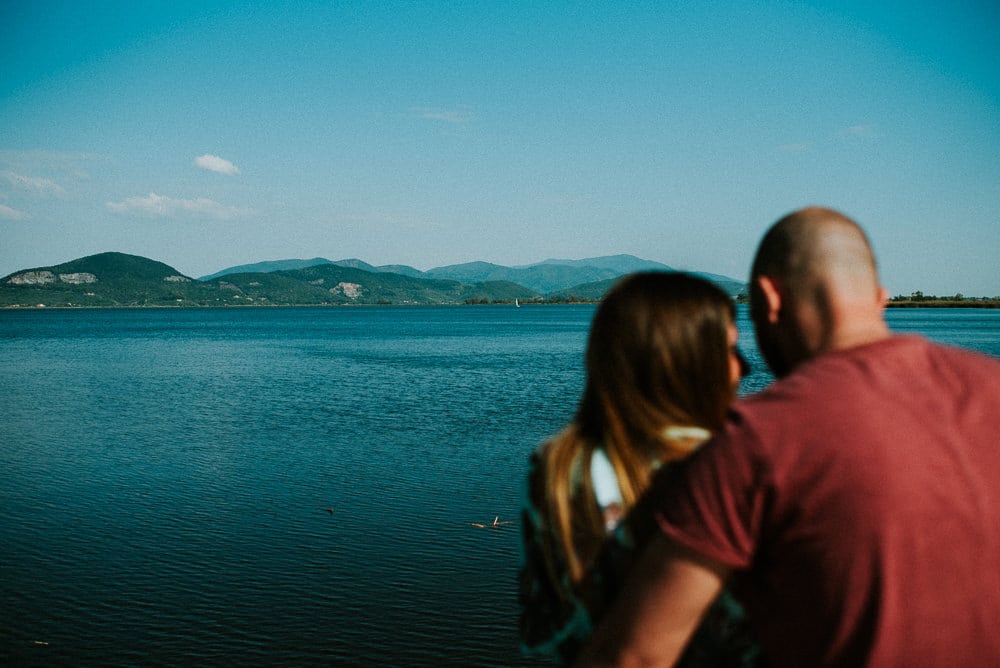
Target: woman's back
x,y
558,615
662,368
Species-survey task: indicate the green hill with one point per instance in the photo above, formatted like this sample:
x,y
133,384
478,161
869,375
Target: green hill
x,y
549,277
106,279
265,267
117,279
350,285
595,291
543,278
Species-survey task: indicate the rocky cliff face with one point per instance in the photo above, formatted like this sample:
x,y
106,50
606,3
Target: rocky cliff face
x,y
32,278
351,290
47,277
79,278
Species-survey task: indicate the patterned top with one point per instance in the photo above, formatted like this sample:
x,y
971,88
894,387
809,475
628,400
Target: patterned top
x,y
555,619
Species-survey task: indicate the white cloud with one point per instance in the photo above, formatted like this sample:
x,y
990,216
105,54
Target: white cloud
x,y
214,163
32,184
7,213
158,205
446,115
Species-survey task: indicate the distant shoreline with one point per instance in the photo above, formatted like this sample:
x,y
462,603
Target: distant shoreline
x,y
946,303
931,302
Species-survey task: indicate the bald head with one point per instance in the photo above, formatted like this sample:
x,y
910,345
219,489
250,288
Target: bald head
x,y
815,287
817,249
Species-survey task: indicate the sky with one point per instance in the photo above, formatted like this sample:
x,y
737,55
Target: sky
x,y
210,134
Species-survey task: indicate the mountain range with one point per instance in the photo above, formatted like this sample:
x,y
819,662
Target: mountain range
x,y
118,279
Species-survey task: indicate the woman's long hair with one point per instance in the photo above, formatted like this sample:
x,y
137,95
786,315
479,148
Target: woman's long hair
x,y
657,356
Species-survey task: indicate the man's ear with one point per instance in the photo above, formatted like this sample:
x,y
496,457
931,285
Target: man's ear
x,y
772,298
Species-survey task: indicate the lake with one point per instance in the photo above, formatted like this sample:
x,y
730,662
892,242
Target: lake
x,y
300,486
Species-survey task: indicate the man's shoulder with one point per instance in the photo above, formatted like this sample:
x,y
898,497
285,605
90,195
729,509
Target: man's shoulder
x,y
850,375
965,354
895,354
917,344
851,381
949,359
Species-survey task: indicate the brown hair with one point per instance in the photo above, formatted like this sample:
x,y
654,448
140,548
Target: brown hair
x,y
657,356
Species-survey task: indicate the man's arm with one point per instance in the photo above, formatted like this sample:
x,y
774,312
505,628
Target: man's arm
x,y
664,599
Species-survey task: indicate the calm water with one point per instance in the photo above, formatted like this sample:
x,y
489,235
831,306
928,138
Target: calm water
x,y
285,486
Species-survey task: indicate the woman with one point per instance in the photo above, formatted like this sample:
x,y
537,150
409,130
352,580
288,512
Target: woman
x,y
662,368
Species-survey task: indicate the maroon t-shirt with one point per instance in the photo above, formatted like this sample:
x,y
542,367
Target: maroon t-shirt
x,y
858,502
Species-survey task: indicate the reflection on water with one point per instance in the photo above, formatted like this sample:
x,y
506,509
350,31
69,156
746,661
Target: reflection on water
x,y
272,485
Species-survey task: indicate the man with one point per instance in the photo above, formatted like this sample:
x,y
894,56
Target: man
x,y
854,505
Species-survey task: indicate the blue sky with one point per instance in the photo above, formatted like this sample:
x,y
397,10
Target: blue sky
x,y
209,134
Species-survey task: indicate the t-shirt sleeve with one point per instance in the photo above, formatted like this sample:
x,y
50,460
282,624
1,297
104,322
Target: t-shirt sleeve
x,y
713,502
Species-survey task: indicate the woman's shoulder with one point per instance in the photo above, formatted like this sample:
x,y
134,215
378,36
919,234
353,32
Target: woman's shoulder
x,y
559,454
567,437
